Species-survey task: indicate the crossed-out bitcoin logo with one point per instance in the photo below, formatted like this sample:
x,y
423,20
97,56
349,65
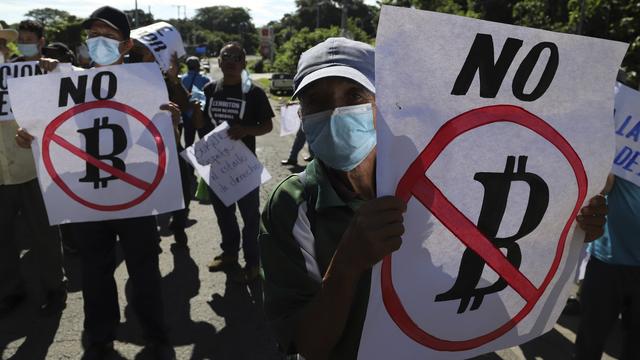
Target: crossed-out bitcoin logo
x,y
480,239
108,162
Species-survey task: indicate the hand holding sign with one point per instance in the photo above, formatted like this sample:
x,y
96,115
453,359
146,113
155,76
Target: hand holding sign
x,y
229,168
108,153
494,171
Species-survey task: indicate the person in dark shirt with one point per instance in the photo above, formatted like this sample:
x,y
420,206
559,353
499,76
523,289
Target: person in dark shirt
x,y
247,110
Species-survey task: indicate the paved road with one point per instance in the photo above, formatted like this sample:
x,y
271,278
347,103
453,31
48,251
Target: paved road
x,y
210,318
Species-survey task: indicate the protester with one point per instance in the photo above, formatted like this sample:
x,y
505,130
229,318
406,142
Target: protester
x,y
180,96
298,144
247,110
6,36
108,40
611,285
20,193
192,79
323,230
30,40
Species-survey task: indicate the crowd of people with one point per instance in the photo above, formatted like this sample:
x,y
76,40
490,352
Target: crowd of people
x,y
320,232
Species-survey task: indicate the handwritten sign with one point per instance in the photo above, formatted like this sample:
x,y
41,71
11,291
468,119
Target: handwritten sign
x,y
626,163
15,70
228,166
495,136
289,119
103,148
163,40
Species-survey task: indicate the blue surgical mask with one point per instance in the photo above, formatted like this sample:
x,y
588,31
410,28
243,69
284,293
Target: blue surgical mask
x,y
28,50
103,51
341,137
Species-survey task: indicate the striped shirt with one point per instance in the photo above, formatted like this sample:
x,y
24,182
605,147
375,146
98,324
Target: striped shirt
x,y
301,227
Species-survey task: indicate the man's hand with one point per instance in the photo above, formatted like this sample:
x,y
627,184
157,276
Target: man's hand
x,y
375,231
592,218
237,132
23,138
48,64
174,109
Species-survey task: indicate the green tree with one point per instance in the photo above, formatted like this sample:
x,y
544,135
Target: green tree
x,y
59,26
289,53
229,20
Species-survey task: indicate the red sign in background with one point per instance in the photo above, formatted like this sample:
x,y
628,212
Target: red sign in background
x,y
147,188
416,183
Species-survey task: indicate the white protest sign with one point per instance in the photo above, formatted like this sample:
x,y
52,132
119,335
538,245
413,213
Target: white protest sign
x,y
289,119
626,163
228,166
19,69
103,148
494,168
163,40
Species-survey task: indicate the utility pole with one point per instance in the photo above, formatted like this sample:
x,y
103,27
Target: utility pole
x,y
184,7
343,19
136,15
581,23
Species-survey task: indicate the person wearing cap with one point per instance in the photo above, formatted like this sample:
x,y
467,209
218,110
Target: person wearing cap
x,y
192,79
20,194
323,230
247,110
108,40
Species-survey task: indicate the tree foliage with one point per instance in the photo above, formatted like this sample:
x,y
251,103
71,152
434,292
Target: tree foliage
x,y
59,26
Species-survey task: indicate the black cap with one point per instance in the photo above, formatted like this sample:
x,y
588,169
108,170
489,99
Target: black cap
x,y
112,17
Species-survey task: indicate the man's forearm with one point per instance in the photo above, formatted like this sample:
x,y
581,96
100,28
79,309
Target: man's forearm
x,y
323,320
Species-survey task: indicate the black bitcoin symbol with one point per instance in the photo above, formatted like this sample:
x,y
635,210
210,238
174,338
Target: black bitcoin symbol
x,y
92,140
496,192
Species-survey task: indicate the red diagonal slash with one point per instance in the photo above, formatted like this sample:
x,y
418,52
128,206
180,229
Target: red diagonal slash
x,y
468,233
128,178
414,183
148,188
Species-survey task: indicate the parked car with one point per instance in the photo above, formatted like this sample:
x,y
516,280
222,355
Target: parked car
x,y
281,83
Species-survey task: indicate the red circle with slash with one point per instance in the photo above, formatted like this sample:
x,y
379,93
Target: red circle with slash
x,y
147,188
415,183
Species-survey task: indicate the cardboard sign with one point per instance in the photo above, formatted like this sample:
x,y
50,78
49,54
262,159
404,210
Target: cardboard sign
x,y
103,148
494,136
19,69
228,166
289,119
626,163
163,40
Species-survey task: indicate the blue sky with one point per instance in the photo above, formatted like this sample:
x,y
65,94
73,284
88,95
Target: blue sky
x,y
262,11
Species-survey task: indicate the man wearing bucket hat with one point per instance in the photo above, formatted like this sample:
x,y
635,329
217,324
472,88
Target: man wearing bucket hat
x,y
324,229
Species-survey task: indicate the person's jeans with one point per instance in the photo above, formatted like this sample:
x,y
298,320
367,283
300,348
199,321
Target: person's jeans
x,y
298,144
607,291
46,247
187,178
139,240
249,207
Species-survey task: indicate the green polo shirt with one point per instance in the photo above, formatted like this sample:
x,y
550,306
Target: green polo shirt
x,y
301,227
